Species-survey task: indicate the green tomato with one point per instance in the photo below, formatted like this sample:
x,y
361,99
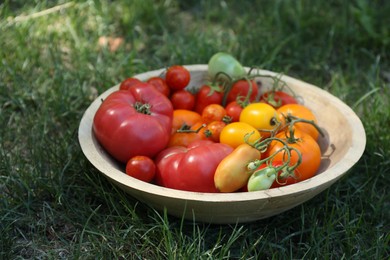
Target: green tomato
x,y
226,63
262,179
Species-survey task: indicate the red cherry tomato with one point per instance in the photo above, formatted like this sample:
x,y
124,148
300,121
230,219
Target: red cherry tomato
x,y
208,94
177,77
141,168
160,85
277,98
183,99
233,110
240,90
127,83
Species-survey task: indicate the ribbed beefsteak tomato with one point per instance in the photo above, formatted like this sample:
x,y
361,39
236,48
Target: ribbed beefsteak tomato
x,y
133,122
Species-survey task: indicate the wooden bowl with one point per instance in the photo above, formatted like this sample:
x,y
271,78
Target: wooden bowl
x,y
342,147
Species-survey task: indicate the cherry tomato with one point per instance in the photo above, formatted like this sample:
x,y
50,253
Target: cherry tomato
x,y
233,110
127,83
234,134
277,98
213,130
208,94
240,90
213,112
160,85
299,111
183,99
177,77
261,116
308,147
141,168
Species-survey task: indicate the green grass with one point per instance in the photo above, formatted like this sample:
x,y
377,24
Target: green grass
x,y
55,204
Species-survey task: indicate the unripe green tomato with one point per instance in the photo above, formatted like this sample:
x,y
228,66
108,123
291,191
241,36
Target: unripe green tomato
x,y
262,179
226,63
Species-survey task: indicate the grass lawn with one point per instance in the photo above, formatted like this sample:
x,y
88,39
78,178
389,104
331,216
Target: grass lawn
x,y
54,62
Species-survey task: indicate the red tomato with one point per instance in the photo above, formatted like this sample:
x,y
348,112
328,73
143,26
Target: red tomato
x,y
240,90
190,168
160,85
277,98
127,83
134,122
208,94
213,112
141,168
306,145
233,110
183,99
177,77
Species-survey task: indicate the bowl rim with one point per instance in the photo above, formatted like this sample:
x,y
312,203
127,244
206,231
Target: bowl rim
x,y
330,175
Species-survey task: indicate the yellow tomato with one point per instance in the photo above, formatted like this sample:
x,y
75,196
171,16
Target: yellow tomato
x,y
234,134
261,116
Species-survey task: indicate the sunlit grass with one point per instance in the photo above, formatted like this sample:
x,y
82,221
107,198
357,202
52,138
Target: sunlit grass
x,y
55,204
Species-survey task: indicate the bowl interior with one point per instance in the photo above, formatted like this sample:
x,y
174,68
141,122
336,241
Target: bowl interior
x,y
342,146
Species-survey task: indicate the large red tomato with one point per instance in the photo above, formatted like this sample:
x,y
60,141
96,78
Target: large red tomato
x,y
190,168
134,122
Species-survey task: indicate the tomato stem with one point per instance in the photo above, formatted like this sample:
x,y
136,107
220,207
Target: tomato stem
x,y
187,129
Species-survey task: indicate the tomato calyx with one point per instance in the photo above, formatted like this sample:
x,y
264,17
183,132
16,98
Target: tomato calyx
x,y
143,108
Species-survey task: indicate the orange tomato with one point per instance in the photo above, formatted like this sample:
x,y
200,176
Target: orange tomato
x,y
299,111
214,129
213,112
183,117
306,145
196,132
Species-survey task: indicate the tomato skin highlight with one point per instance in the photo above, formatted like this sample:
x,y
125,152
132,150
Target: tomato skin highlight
x,y
177,77
141,168
232,172
190,168
124,132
